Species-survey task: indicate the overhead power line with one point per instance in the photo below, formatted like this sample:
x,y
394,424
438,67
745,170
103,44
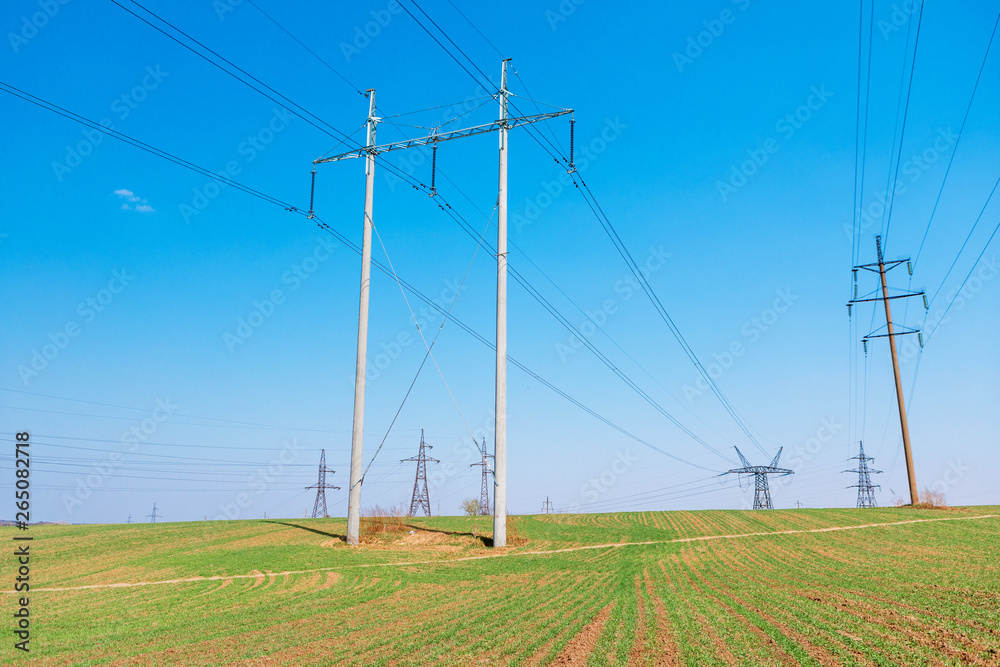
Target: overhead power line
x,y
322,225
902,134
968,108
606,224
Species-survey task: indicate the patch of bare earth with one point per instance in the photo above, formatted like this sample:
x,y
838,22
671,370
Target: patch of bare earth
x,y
578,650
666,654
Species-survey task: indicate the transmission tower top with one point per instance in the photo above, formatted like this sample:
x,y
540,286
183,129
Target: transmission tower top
x,y
762,493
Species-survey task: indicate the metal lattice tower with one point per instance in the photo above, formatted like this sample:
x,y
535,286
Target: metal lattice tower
x,y
421,500
321,486
484,493
866,490
129,518
762,493
154,516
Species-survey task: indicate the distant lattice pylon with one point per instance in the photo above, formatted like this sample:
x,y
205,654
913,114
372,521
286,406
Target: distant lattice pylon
x,y
484,493
866,490
421,499
319,507
762,493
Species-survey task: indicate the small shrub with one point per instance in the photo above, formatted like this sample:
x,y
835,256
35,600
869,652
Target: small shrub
x,y
379,522
470,506
514,538
932,498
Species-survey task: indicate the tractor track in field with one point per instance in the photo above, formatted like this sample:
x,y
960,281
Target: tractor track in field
x,y
257,575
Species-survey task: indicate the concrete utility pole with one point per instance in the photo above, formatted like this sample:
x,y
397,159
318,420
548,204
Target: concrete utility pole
x,y
547,506
503,125
500,416
357,435
882,267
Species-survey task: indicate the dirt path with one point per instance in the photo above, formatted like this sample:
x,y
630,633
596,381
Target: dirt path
x,y
615,545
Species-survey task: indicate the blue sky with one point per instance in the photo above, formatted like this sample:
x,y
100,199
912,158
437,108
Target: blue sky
x,y
719,137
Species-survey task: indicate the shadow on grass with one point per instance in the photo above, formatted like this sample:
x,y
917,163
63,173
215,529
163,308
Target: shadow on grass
x,y
342,538
487,541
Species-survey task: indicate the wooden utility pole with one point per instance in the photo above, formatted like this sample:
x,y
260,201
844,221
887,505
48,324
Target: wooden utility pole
x,y
882,267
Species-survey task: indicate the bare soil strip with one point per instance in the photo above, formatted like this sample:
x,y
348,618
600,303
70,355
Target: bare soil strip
x,y
666,649
507,554
579,648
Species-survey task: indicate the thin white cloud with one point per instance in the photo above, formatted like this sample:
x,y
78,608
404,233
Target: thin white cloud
x,y
130,197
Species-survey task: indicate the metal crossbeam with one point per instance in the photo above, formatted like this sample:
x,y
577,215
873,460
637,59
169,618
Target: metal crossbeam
x,y
436,138
762,493
879,298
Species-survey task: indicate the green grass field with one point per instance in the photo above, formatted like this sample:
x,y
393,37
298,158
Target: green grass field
x,y
290,592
